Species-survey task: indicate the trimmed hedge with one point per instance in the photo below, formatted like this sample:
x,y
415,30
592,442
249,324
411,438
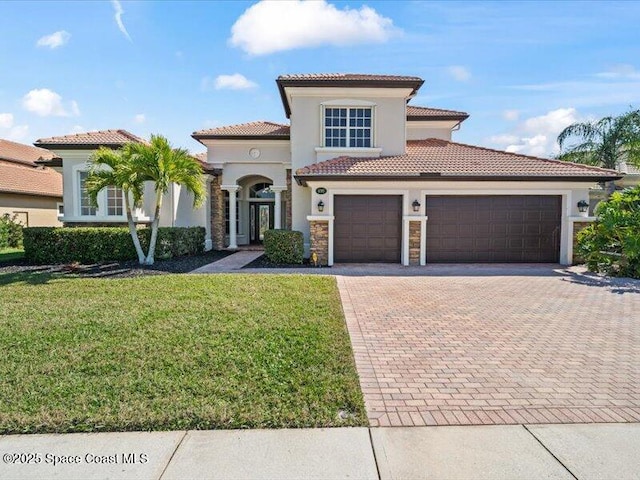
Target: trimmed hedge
x,y
52,245
284,246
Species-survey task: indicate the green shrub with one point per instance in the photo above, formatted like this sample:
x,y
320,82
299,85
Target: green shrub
x,y
51,245
10,232
283,246
611,244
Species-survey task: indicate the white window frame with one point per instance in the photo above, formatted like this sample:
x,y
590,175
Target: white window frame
x,y
348,103
348,128
102,211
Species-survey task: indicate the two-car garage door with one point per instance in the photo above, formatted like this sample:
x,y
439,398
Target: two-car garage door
x,y
470,228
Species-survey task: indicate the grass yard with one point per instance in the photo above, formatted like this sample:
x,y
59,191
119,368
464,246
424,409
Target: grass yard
x,y
174,352
10,254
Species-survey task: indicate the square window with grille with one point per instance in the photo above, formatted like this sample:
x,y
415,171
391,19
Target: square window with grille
x,y
348,127
115,201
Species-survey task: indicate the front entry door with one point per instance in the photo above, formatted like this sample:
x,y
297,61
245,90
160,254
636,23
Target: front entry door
x,y
260,220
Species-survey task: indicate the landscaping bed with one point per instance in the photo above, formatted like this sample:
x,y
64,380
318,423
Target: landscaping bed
x,y
129,268
174,352
263,262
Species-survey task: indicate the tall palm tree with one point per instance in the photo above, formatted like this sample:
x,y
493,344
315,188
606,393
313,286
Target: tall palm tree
x,y
604,143
160,163
115,168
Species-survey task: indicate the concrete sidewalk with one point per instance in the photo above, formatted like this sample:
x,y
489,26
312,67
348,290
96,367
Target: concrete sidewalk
x,y
231,263
584,451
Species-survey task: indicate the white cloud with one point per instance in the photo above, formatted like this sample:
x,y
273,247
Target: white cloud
x,y
6,120
620,71
16,133
140,118
236,81
511,115
537,135
47,103
55,40
118,11
274,26
459,73
78,129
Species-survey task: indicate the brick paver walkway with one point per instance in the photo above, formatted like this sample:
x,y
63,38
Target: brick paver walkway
x,y
519,347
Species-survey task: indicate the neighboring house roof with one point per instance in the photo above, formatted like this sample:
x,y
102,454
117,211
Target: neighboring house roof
x,y
260,130
415,113
443,160
90,140
29,179
21,153
344,80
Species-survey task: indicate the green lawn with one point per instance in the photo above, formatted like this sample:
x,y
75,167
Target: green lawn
x,y
174,352
9,254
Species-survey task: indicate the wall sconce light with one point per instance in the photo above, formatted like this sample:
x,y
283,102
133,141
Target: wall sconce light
x,y
583,206
416,206
321,206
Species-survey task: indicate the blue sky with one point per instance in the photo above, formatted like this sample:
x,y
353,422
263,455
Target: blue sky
x,y
523,70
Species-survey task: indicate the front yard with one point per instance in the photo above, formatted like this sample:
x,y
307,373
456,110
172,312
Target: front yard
x,y
174,352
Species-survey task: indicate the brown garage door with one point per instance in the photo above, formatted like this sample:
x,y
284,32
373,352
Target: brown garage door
x,y
367,228
493,228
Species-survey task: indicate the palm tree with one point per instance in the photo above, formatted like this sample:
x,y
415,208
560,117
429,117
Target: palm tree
x,y
115,168
160,163
604,143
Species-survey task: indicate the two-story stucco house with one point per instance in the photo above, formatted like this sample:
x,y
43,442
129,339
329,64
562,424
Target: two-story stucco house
x,y
368,177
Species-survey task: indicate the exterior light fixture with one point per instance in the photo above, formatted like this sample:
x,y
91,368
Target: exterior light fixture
x,y
321,206
583,206
416,206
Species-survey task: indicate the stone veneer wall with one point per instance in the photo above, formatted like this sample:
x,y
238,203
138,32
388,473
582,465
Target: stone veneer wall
x,y
217,214
287,202
414,243
577,226
319,238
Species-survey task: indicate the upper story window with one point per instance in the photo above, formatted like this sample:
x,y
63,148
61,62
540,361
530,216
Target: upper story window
x,y
348,127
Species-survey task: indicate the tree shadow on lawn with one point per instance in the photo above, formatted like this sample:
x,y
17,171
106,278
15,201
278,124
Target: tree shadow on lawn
x,y
618,285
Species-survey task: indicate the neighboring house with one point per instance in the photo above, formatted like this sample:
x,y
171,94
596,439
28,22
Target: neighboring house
x,y
29,191
367,178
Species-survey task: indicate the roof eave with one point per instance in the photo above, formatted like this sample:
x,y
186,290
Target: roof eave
x,y
283,83
426,118
78,146
34,193
301,179
204,136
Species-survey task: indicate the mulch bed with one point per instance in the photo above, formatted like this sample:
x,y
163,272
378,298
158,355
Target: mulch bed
x,y
263,262
130,268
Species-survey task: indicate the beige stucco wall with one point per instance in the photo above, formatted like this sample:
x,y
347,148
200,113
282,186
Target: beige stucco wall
x,y
435,129
40,211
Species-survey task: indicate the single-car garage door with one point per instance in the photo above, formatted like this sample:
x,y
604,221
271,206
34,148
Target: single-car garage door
x,y
493,228
367,228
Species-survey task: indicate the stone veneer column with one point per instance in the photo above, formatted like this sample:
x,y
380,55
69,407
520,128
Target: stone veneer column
x,y
414,243
319,240
287,201
217,214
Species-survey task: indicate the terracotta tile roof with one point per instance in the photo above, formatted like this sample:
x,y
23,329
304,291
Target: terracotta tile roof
x,y
260,129
28,179
21,153
108,138
434,158
415,112
349,77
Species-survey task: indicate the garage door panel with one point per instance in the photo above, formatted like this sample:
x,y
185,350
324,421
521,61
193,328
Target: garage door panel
x,y
493,228
367,228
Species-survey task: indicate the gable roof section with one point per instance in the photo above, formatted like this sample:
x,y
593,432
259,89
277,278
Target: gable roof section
x,y
24,154
435,159
260,130
416,114
27,179
354,80
90,140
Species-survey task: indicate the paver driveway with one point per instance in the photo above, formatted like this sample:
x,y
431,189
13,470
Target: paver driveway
x,y
495,345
